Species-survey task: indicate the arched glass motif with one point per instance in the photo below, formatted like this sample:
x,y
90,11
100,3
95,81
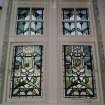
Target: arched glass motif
x,y
27,69
29,21
78,71
75,21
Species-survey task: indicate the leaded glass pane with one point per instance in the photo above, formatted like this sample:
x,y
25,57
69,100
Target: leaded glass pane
x,y
82,14
37,14
82,28
76,21
23,13
78,71
68,14
36,28
26,74
29,21
69,28
23,27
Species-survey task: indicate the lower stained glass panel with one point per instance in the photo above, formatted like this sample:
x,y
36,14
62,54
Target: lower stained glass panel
x,y
78,71
26,74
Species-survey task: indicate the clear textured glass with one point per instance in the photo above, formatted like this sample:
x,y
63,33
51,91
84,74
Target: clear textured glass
x,y
27,68
78,71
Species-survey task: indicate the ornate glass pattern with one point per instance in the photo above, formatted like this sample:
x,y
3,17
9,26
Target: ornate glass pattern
x,y
26,74
78,71
75,21
29,21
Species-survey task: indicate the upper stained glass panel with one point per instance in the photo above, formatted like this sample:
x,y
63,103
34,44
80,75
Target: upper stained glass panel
x,y
29,21
78,71
27,68
76,22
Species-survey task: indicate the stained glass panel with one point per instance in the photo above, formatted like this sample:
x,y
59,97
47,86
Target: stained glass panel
x,y
23,28
26,75
36,28
68,14
82,28
23,13
37,14
76,21
29,21
82,14
78,71
69,28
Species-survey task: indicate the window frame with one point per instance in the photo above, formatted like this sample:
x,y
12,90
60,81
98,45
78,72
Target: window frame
x,y
75,5
75,21
16,40
17,5
29,21
91,40
80,99
55,96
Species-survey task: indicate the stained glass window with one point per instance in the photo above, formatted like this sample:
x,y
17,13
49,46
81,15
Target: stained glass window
x,y
78,71
27,69
29,21
75,21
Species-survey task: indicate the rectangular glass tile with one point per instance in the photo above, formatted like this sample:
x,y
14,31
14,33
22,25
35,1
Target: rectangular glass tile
x,y
22,28
82,28
82,14
69,28
23,13
68,14
36,28
37,14
78,71
26,73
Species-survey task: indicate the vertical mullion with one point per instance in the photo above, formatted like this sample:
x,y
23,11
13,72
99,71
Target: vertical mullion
x,y
75,21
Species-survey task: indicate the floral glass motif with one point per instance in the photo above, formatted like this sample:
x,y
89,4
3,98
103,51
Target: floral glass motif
x,y
75,21
29,21
78,71
26,74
